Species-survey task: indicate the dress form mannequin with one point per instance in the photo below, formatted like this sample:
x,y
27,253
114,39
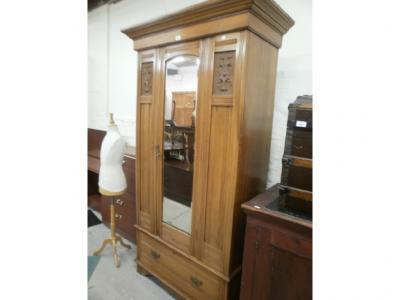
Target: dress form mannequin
x,y
112,181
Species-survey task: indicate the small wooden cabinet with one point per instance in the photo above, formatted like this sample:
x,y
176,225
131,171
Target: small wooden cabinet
x,y
277,259
223,54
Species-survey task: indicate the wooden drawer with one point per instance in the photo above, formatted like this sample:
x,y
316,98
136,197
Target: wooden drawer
x,y
123,206
297,172
300,116
190,279
129,170
292,243
298,143
124,215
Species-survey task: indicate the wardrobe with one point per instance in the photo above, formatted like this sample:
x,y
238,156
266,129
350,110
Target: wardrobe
x,y
201,156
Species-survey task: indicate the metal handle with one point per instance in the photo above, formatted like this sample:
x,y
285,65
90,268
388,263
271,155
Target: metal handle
x,y
119,202
157,151
286,161
196,282
283,190
118,216
155,254
298,147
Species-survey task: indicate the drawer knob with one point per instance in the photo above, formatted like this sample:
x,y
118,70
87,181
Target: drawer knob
x,y
196,282
119,202
257,244
155,254
118,216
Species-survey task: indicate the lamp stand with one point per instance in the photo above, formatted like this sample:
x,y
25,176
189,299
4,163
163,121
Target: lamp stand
x,y
114,239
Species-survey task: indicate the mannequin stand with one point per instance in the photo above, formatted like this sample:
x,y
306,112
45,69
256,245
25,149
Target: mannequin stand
x,y
114,239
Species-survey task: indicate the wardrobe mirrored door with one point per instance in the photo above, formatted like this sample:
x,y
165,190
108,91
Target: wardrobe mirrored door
x,y
181,81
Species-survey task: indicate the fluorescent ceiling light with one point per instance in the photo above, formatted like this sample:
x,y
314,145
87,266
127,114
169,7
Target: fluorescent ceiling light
x,y
178,59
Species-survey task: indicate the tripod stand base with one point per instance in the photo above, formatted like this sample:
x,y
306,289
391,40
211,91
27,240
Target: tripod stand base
x,y
113,241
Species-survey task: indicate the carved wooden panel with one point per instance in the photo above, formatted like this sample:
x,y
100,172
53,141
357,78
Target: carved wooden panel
x,y
224,66
146,79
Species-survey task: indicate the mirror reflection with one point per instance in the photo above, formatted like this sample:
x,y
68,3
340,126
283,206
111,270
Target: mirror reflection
x,y
179,128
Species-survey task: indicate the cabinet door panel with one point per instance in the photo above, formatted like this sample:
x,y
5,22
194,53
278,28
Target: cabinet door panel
x,y
219,142
276,264
256,260
145,165
255,253
220,177
291,276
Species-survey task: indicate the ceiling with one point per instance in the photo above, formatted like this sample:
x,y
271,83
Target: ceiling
x,y
92,4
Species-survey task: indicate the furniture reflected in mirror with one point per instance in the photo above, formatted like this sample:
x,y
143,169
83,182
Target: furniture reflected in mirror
x,y
178,163
183,105
179,129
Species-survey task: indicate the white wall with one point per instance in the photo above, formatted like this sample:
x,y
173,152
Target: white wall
x,y
97,68
121,75
294,66
294,76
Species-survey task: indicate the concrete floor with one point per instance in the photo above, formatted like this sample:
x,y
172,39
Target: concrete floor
x,y
177,215
109,283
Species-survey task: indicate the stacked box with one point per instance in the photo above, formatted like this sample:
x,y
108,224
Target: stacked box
x,y
296,179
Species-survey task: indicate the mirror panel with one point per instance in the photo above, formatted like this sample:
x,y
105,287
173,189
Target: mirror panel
x,y
179,138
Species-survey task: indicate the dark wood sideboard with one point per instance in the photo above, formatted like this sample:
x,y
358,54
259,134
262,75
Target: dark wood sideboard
x,y
125,205
277,258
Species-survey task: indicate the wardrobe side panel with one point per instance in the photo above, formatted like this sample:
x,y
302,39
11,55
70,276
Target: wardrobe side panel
x,y
256,128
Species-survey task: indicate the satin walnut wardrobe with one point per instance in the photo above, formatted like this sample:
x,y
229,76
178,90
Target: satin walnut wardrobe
x,y
193,175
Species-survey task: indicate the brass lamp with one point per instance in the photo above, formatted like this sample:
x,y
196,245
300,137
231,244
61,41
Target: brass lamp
x,y
112,181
